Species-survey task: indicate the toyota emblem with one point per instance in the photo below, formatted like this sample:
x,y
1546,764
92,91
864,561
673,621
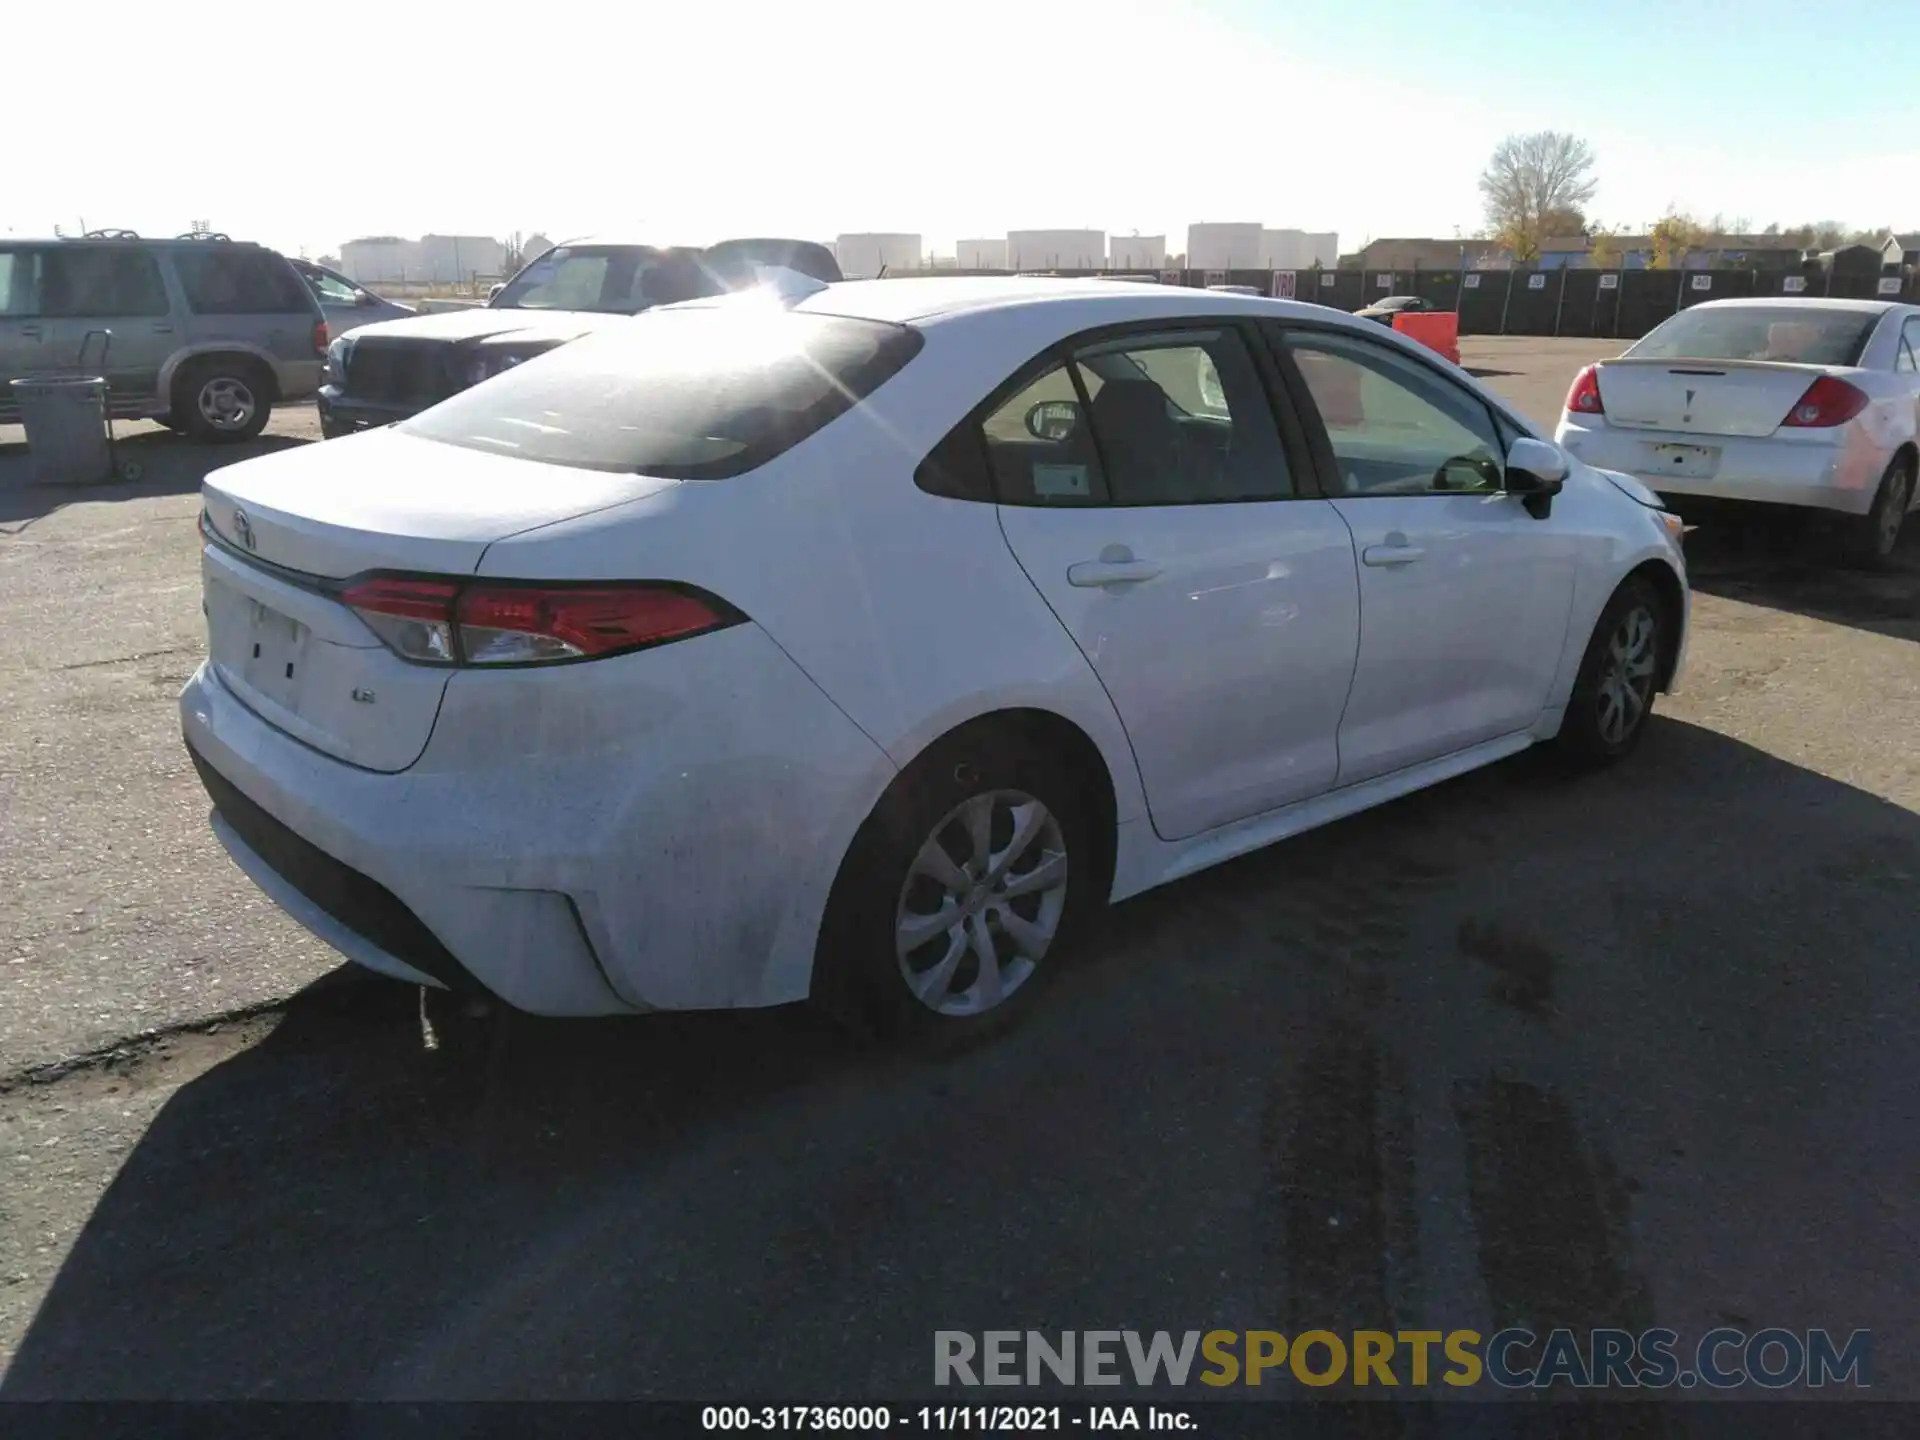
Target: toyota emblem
x,y
243,528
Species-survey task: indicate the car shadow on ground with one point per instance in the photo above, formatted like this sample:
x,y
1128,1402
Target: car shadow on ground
x,y
733,1204
1789,562
169,464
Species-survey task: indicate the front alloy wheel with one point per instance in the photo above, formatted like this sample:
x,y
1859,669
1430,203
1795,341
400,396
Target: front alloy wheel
x,y
1613,693
1626,675
982,903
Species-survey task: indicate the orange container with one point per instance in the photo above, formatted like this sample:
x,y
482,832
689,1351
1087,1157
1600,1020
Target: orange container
x,y
1438,330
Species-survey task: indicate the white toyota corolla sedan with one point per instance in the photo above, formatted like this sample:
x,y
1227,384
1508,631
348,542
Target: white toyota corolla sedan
x,y
857,644
1809,403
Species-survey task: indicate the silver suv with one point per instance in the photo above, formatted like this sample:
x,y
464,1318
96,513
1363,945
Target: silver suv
x,y
204,334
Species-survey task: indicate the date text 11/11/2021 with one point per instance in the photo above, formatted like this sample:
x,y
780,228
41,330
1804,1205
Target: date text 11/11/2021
x,y
942,1418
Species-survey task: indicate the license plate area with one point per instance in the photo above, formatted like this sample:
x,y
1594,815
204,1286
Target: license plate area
x,y
273,662
1689,462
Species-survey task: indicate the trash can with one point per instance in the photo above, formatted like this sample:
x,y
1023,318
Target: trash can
x,y
66,424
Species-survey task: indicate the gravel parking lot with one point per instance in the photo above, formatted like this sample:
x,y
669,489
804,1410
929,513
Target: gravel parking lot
x,y
1630,1050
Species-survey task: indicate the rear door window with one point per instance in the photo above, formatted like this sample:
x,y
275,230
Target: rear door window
x,y
222,280
19,284
1182,418
99,282
694,394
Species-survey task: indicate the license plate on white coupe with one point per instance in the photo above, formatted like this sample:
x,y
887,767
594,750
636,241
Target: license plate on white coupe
x,y
1689,462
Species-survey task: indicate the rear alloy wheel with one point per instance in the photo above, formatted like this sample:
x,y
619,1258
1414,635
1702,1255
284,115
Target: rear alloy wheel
x,y
959,895
1613,693
1877,532
222,401
982,903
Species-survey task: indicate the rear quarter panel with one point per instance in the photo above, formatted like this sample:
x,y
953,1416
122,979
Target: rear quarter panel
x,y
908,610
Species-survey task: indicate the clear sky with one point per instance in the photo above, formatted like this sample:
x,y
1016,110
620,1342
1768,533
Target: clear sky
x,y
305,125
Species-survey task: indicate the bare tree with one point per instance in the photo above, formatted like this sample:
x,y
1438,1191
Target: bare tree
x,y
1533,183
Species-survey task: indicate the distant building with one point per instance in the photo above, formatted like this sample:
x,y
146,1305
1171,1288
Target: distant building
x,y
533,247
458,258
376,258
1412,255
863,256
442,259
1217,245
1901,250
1851,260
1137,252
981,254
1637,252
1298,250
1056,249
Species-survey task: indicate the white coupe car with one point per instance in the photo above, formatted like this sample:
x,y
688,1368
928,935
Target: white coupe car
x,y
1811,403
857,643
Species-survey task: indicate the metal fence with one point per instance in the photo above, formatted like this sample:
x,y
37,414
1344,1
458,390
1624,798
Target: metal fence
x,y
1622,304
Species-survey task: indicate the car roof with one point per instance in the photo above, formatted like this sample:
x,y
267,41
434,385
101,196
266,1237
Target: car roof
x,y
925,299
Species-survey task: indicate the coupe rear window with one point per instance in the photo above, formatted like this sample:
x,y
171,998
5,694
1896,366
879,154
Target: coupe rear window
x,y
701,393
1793,334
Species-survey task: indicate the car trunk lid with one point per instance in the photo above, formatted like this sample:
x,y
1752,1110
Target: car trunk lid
x,y
287,529
1703,397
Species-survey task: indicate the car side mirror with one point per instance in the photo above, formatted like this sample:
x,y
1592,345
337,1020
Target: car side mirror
x,y
1054,420
1535,472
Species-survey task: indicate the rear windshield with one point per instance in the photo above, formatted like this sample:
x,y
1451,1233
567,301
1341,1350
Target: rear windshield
x,y
1794,334
700,393
611,279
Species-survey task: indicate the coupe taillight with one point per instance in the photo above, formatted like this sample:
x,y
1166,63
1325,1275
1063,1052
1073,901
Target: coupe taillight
x,y
1828,402
320,338
1584,397
445,622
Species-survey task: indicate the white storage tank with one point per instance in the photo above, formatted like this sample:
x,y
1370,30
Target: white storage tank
x,y
864,256
1236,245
1137,252
981,254
1298,250
1056,249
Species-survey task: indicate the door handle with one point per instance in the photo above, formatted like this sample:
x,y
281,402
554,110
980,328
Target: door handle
x,y
1391,555
32,332
1091,574
163,329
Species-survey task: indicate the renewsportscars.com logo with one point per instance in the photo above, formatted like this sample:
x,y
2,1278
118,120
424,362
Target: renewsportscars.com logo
x,y
1513,1359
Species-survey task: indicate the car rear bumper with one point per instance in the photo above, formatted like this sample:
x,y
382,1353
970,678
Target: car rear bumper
x,y
657,831
298,379
1838,473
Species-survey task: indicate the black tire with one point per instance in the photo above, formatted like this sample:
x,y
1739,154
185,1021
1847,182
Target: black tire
x,y
223,400
861,979
1872,538
1622,666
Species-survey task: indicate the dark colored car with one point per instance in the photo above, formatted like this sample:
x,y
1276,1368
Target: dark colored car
x,y
386,372
1392,305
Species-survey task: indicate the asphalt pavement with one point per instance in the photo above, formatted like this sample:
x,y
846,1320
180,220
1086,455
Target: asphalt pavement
x,y
1632,1049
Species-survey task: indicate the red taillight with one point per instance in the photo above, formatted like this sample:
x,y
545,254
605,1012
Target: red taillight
x,y
320,337
1828,402
520,625
437,622
1584,397
414,617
